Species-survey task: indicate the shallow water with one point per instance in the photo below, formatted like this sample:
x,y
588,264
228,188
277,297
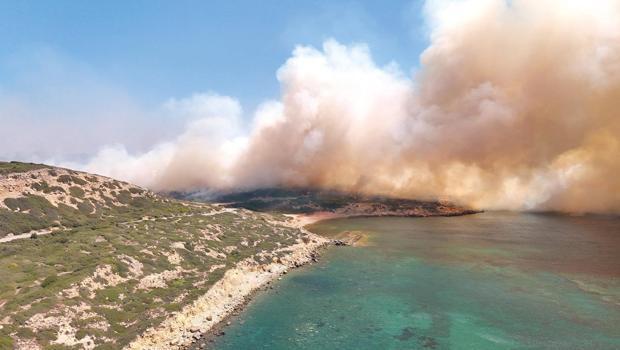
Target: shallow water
x,y
487,281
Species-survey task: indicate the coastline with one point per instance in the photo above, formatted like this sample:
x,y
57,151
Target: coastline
x,y
226,297
206,340
317,294
197,324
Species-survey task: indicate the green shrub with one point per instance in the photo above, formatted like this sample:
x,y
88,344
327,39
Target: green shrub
x,y
6,342
124,197
135,190
85,207
48,280
40,186
76,192
65,179
18,167
78,181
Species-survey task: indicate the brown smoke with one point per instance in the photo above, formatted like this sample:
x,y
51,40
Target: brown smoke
x,y
516,105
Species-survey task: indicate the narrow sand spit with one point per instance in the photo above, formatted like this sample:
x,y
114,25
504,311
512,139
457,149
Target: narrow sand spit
x,y
301,220
179,330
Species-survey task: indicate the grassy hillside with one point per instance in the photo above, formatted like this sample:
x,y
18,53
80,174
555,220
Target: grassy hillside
x,y
111,259
18,167
37,197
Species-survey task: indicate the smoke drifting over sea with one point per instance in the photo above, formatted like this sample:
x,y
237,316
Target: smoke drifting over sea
x,y
516,105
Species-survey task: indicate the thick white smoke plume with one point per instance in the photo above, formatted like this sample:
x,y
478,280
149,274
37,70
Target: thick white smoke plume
x,y
516,105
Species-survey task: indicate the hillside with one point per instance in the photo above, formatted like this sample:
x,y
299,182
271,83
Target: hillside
x,y
39,198
309,201
91,262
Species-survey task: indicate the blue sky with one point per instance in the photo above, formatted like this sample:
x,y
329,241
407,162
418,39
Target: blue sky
x,y
159,49
100,71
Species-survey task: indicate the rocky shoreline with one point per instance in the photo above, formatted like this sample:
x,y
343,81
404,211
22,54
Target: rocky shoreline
x,y
205,340
198,324
226,297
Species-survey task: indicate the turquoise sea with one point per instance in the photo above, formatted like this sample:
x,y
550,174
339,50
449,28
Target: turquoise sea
x,y
486,281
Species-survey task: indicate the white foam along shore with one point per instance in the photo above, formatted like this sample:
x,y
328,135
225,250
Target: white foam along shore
x,y
180,329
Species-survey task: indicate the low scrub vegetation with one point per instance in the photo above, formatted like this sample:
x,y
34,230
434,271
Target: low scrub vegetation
x,y
117,263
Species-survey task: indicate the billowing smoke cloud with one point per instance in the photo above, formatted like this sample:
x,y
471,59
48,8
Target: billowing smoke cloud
x,y
516,105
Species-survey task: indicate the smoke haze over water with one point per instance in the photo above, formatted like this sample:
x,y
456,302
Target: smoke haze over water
x,y
515,106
